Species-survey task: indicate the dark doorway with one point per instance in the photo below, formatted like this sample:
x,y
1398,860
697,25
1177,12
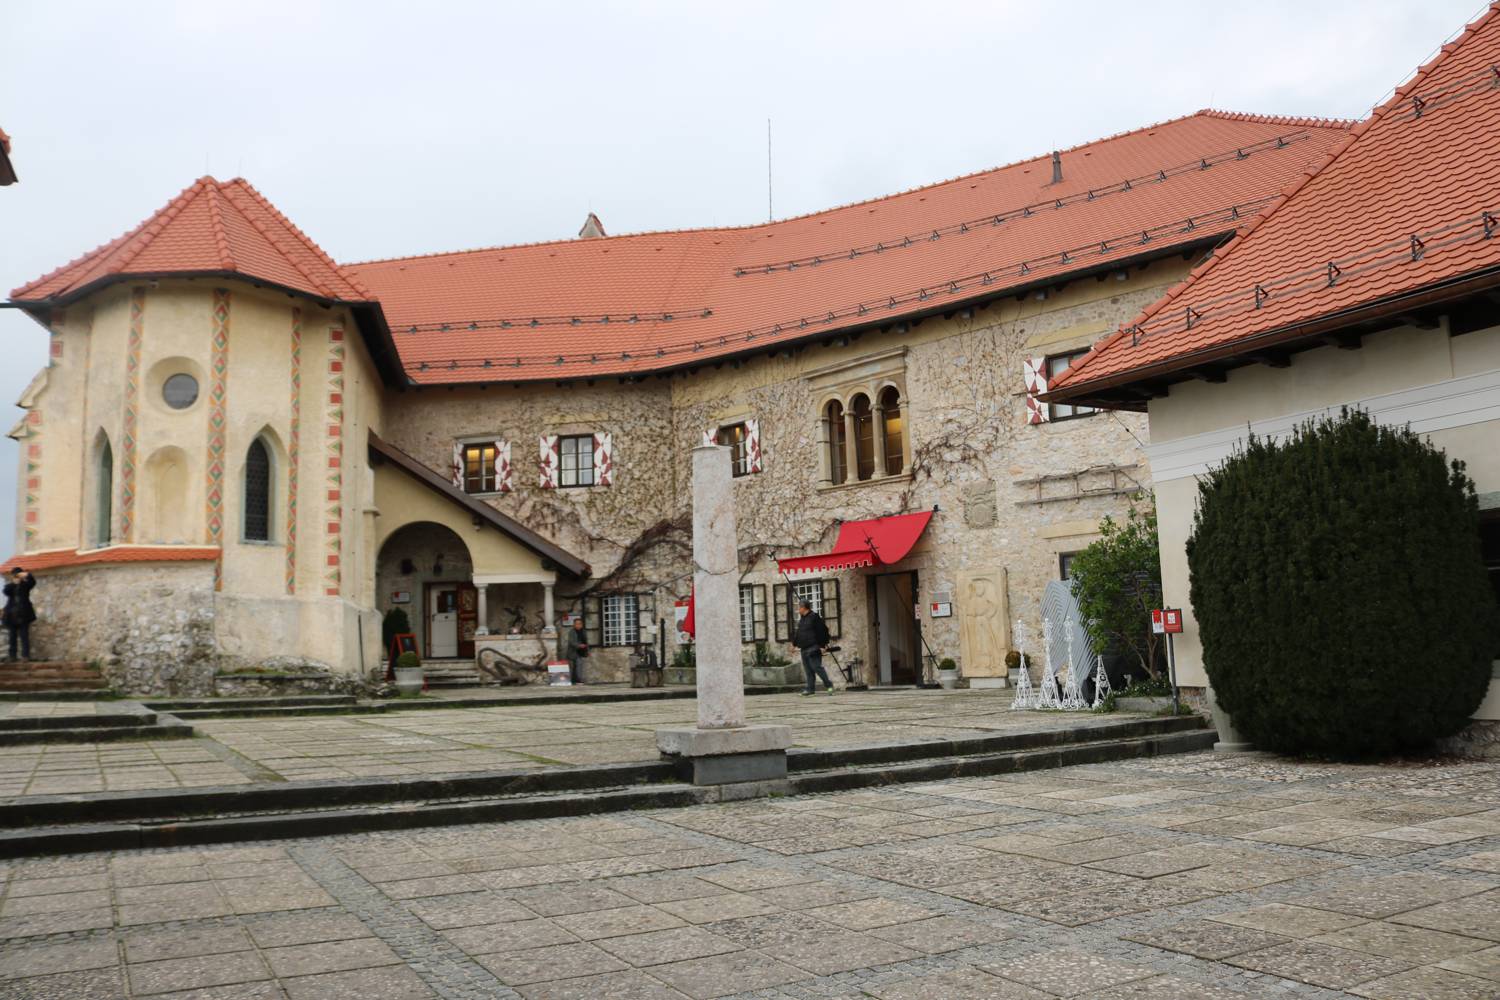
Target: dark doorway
x,y
895,630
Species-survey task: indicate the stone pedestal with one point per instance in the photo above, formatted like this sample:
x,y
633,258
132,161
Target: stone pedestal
x,y
980,683
727,756
722,750
1230,740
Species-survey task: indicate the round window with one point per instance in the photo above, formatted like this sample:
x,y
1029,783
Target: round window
x,y
180,391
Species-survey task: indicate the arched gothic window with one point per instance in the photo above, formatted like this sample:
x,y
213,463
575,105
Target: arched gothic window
x,y
864,437
838,466
891,428
104,513
258,492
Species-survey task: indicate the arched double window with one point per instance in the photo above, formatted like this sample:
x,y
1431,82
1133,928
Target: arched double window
x,y
258,479
838,465
866,439
892,430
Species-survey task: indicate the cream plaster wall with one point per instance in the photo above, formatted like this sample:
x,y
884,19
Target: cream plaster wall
x,y
1391,361
402,501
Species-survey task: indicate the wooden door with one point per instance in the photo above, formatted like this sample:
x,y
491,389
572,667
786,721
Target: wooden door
x,y
468,619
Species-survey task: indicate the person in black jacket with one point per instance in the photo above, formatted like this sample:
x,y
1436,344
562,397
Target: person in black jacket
x,y
809,639
19,614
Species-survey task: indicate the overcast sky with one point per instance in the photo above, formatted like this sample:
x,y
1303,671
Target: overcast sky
x,y
392,128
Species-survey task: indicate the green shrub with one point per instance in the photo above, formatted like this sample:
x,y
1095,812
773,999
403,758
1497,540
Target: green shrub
x,y
1117,581
1015,658
408,661
1339,589
393,624
686,657
947,663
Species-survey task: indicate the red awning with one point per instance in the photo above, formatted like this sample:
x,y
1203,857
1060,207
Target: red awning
x,y
879,541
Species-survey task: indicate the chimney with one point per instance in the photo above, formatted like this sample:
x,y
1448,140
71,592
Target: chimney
x,y
592,228
1056,167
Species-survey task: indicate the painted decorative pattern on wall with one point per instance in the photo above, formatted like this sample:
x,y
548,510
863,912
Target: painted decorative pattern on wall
x,y
217,394
32,514
332,576
294,449
132,413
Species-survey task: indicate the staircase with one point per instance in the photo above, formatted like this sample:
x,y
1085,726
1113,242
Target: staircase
x,y
54,679
452,674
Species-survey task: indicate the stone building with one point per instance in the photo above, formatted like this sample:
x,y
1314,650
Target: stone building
x,y
242,450
1354,289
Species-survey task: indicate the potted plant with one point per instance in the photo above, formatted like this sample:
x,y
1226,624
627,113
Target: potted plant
x,y
409,679
947,673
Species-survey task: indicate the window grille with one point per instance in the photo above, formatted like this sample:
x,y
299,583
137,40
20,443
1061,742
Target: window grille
x,y
258,492
577,459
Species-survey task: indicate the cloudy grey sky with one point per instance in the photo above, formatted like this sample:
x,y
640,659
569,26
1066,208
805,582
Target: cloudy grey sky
x,y
390,128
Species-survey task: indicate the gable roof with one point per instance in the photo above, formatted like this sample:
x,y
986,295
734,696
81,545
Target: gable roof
x,y
212,228
1408,203
384,451
655,301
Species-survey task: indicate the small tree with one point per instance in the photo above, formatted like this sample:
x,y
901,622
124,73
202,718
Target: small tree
x,y
393,624
1339,589
1117,580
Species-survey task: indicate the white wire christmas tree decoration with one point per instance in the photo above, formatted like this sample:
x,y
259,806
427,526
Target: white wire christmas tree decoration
x,y
1072,697
1048,698
1101,682
1025,693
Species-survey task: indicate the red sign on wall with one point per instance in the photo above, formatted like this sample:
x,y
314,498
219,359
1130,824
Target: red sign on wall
x,y
1171,619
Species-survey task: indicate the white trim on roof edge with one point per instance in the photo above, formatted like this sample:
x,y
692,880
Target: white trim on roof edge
x,y
1458,402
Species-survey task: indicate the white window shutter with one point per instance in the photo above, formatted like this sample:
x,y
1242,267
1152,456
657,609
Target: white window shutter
x,y
752,444
550,462
458,465
502,466
604,458
711,436
1034,370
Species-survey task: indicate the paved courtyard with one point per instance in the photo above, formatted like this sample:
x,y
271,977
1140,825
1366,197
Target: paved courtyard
x,y
1180,878
466,739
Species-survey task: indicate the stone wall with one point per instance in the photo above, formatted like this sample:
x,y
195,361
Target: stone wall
x,y
1011,497
149,627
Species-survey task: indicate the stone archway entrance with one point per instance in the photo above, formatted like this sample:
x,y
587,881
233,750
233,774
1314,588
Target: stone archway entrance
x,y
425,569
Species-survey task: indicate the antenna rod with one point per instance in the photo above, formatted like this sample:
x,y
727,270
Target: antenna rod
x,y
770,209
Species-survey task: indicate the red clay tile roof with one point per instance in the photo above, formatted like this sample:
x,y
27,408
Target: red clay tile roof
x,y
1409,201
212,227
652,301
37,562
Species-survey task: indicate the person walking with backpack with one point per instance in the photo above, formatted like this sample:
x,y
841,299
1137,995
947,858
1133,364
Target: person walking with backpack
x,y
19,613
810,637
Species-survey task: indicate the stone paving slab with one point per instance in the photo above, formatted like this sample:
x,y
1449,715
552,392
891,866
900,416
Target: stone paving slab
x,y
857,894
464,740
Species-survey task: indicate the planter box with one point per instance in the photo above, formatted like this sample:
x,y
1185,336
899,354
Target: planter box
x,y
1152,705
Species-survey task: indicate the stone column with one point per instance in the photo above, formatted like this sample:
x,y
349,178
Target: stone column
x,y
851,447
483,625
549,612
877,434
905,435
825,451
716,590
722,750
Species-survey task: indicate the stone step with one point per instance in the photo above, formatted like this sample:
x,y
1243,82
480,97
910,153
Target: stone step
x,y
98,720
47,669
278,701
55,694
122,821
35,684
162,729
275,712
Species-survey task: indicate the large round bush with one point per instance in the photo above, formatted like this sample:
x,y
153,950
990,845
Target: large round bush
x,y
1339,590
